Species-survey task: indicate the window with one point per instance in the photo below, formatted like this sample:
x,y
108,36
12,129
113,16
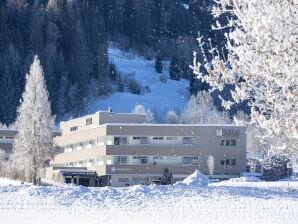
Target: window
x,y
91,142
190,140
142,140
190,160
123,180
143,160
120,140
228,162
222,162
171,138
9,137
120,160
228,142
74,128
186,160
219,132
233,162
88,121
157,138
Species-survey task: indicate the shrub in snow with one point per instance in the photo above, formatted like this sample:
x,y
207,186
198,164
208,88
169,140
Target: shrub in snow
x,y
194,180
276,168
163,78
133,86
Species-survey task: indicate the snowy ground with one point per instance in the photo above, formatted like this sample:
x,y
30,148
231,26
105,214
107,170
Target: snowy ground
x,y
234,201
163,96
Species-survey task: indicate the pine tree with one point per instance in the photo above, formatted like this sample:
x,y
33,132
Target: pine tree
x,y
158,64
33,143
174,69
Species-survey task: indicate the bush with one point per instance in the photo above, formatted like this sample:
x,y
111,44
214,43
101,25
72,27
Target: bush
x,y
163,78
133,86
276,168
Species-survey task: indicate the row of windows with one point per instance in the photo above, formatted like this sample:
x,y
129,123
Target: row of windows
x,y
228,162
6,137
124,141
228,142
144,140
135,160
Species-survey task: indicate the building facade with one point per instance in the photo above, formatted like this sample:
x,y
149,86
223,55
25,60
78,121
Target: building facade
x,y
125,150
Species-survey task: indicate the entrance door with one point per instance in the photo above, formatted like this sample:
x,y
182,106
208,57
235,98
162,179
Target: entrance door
x,y
84,182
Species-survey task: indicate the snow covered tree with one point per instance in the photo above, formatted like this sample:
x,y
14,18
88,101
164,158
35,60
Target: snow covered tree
x,y
172,117
140,109
210,164
33,144
200,110
261,64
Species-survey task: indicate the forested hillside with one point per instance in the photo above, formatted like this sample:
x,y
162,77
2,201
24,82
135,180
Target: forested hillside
x,y
72,37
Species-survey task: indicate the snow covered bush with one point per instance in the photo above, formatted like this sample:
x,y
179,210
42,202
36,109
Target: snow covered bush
x,y
261,64
200,110
33,145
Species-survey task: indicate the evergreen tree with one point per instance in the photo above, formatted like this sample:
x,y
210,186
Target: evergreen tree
x,y
174,69
33,143
158,64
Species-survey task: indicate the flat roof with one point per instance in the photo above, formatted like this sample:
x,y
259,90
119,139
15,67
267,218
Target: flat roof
x,y
171,125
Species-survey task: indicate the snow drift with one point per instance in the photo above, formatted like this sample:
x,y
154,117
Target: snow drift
x,y
197,179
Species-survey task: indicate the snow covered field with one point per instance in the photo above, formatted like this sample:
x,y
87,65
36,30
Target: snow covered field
x,y
163,96
234,201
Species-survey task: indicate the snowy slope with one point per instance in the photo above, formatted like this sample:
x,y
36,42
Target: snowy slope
x,y
163,96
225,202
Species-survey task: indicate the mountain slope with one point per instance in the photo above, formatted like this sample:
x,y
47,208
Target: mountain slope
x,y
161,98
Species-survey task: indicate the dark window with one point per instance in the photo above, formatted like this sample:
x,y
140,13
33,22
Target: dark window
x,y
88,121
157,138
227,142
143,160
233,162
120,141
222,142
233,142
187,160
222,162
120,160
228,162
75,128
